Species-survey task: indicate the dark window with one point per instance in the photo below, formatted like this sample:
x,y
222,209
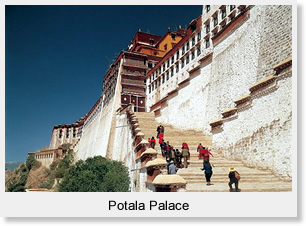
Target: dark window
x,y
193,27
151,41
150,65
193,41
183,50
223,13
199,51
207,28
149,89
187,46
187,59
177,55
163,79
168,63
232,7
207,43
172,72
207,8
165,47
192,55
183,63
173,37
215,20
177,68
167,77
172,59
199,36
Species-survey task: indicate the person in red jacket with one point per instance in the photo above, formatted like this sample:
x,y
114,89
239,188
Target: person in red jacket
x,y
204,153
185,145
200,147
153,142
160,138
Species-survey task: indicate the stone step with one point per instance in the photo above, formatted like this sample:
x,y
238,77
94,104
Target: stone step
x,y
244,186
225,176
220,180
252,180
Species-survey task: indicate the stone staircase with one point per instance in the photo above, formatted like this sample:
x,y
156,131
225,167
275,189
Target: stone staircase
x,y
252,180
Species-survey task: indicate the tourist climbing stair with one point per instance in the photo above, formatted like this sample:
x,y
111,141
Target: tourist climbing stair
x,y
252,180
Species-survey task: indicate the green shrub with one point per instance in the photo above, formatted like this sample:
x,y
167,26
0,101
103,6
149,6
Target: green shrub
x,y
53,165
31,162
60,173
23,168
45,184
96,174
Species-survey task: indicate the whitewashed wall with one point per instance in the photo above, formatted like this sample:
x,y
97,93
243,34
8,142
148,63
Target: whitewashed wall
x,y
95,136
261,135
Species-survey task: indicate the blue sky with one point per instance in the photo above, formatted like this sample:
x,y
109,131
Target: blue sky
x,y
56,57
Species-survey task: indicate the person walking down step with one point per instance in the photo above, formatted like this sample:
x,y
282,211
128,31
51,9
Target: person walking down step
x,y
208,172
234,178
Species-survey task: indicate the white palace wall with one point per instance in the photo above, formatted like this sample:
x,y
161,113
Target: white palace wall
x,y
260,136
225,78
95,135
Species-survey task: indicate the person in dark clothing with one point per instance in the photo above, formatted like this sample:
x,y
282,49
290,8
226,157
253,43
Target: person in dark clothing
x,y
178,158
208,172
168,150
153,142
233,174
163,147
159,130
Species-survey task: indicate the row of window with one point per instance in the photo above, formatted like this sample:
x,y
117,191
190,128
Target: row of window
x,y
188,45
170,73
214,19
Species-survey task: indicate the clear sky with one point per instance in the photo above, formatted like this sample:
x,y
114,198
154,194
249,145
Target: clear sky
x,y
56,57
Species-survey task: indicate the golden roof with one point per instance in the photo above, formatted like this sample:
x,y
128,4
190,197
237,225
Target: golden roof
x,y
144,142
156,162
140,134
169,179
149,151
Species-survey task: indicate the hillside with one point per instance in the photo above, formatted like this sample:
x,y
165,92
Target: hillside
x,y
9,166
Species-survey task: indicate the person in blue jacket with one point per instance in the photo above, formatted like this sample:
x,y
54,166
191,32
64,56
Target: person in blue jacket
x,y
208,171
